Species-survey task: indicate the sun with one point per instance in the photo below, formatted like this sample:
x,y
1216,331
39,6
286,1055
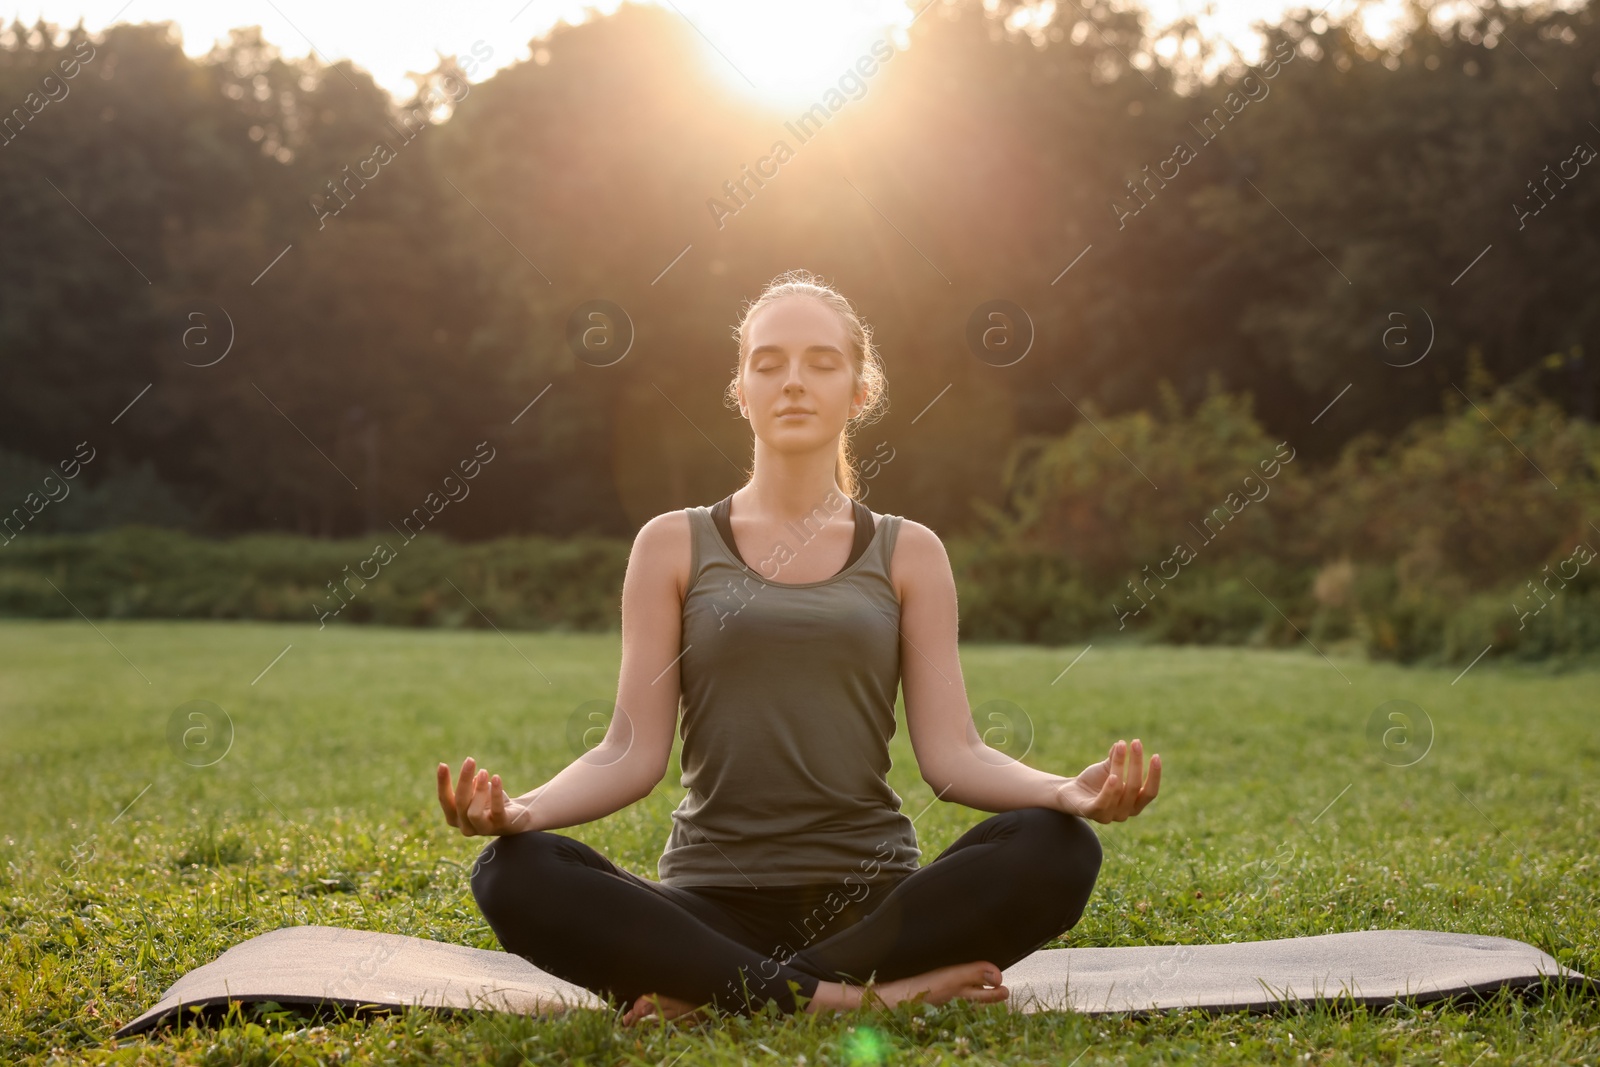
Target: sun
x,y
786,54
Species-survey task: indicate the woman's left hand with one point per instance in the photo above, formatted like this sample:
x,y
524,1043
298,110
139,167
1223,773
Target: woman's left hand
x,y
1104,793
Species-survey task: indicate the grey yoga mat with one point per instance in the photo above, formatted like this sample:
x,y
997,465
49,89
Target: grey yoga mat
x,y
309,965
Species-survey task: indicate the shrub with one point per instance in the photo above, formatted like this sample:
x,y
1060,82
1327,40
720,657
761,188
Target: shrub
x,y
1114,496
143,572
1414,549
1457,502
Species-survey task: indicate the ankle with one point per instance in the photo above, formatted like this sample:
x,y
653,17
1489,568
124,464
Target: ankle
x,y
833,996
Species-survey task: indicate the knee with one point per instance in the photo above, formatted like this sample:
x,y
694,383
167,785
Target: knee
x,y
1067,846
1083,844
506,869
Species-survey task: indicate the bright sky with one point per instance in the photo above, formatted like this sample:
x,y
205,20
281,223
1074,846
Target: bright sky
x,y
790,51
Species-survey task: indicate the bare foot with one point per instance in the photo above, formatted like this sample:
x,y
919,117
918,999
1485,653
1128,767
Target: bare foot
x,y
669,1008
978,981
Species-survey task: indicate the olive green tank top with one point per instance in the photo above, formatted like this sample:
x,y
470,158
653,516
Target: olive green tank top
x,y
788,707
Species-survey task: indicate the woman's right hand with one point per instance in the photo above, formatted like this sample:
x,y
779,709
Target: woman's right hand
x,y
1105,793
477,804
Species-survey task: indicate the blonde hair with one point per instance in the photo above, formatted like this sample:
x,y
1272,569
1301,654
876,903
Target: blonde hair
x,y
865,364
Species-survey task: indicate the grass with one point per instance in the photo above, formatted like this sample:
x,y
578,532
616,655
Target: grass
x,y
124,866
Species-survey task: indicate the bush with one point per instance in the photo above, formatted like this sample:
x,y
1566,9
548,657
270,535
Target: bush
x,y
1449,543
143,572
1021,596
1454,502
1414,549
124,495
1113,498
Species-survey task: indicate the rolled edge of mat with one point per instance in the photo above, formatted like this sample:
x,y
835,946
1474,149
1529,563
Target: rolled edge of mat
x,y
163,1012
1028,1001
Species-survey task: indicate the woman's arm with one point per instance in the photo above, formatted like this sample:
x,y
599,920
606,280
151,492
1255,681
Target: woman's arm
x,y
953,759
633,755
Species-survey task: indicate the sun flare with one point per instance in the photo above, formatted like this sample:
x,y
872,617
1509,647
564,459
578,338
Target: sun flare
x,y
781,54
787,56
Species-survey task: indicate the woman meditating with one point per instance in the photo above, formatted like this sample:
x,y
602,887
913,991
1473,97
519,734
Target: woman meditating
x,y
785,618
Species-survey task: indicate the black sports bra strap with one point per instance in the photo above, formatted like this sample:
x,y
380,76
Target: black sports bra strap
x,y
719,515
864,532
722,509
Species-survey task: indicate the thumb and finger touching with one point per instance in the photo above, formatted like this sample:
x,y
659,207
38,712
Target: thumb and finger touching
x,y
466,785
1126,789
476,803
497,804
480,803
1136,767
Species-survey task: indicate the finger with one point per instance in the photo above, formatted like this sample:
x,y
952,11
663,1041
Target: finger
x,y
1153,785
1105,803
447,799
1130,781
472,816
497,803
479,810
1111,763
1119,771
464,785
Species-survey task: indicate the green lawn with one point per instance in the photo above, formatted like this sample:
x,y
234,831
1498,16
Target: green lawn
x,y
124,866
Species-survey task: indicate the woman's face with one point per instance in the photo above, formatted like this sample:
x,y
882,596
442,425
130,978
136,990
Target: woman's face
x,y
799,360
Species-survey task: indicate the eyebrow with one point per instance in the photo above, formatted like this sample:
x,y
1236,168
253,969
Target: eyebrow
x,y
810,348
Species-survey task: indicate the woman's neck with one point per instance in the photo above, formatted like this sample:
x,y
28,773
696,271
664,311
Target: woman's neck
x,y
789,488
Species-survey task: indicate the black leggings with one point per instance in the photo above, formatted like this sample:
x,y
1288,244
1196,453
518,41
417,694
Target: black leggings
x,y
1006,887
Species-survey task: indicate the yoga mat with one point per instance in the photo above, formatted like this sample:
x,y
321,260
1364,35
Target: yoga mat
x,y
309,965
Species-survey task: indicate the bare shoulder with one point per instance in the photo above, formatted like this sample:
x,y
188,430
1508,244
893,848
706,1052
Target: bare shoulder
x,y
661,549
919,561
669,524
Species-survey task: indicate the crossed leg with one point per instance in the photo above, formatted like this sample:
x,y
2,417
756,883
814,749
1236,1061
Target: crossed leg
x,y
1006,887
571,912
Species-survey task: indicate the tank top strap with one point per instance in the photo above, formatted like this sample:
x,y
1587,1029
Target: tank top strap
x,y
884,544
703,543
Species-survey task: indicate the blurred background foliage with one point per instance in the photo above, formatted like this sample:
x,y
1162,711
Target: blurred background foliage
x,y
1425,549
1250,304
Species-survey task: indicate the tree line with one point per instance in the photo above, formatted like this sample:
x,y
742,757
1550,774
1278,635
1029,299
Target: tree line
x,y
268,297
